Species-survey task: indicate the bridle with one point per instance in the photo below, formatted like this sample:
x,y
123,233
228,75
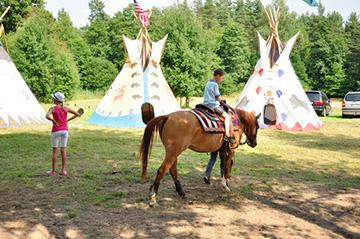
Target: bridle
x,y
247,141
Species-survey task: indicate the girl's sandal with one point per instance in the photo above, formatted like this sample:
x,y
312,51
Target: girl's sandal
x,y
51,173
63,173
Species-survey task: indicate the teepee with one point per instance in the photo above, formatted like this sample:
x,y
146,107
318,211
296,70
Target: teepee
x,y
140,91
274,90
18,105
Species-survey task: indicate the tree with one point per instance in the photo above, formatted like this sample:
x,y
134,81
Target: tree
x,y
97,10
18,9
187,62
123,23
235,53
325,65
97,37
74,40
352,29
45,62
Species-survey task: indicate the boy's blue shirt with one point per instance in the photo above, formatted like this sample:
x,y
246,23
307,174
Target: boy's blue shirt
x,y
210,93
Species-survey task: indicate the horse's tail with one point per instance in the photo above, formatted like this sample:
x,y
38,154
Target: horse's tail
x,y
154,125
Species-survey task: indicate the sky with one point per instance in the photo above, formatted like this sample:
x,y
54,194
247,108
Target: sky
x,y
79,10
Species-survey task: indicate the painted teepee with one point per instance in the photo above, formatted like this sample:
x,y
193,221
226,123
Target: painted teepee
x,y
274,90
140,91
18,105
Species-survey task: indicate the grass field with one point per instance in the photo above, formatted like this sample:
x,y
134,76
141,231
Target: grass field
x,y
292,185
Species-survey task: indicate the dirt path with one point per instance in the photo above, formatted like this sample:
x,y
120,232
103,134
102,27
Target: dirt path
x,y
307,212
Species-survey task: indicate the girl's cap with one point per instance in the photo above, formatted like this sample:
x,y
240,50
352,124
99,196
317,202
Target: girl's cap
x,y
58,96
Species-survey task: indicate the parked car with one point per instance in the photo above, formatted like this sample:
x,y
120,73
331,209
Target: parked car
x,y
320,102
351,104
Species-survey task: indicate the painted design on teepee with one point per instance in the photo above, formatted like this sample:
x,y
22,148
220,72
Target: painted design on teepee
x,y
142,81
17,103
276,83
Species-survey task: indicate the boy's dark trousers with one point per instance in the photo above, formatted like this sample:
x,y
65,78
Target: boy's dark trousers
x,y
212,161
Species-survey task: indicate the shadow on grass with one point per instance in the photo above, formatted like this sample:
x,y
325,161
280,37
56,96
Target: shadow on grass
x,y
314,210
99,204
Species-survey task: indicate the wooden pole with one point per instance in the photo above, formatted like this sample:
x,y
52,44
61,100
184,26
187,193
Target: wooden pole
x,y
3,15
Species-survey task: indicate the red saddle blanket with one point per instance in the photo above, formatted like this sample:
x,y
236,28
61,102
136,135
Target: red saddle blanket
x,y
212,123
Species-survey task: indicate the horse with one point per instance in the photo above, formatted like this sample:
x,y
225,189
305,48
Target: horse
x,y
181,130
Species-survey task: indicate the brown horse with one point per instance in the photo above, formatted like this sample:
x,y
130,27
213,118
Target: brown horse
x,y
182,130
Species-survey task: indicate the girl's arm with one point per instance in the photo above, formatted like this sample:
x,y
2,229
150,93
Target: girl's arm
x,y
49,116
75,114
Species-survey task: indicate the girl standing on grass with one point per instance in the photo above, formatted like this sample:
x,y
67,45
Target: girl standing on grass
x,y
59,134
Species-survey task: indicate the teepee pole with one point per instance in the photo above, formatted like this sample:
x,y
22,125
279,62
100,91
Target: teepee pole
x,y
2,33
4,13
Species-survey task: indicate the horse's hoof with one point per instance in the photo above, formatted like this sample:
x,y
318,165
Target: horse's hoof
x,y
144,180
152,204
152,200
225,188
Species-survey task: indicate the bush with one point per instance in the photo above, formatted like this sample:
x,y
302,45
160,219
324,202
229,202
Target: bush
x,y
99,73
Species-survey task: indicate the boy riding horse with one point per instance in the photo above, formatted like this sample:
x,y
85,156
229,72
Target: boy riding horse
x,y
213,100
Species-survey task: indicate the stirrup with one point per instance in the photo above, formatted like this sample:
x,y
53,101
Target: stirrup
x,y
231,140
233,143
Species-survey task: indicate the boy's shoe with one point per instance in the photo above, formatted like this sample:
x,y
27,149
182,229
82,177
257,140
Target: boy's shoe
x,y
63,173
51,173
207,180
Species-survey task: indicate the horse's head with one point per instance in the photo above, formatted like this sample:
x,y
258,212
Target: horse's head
x,y
251,126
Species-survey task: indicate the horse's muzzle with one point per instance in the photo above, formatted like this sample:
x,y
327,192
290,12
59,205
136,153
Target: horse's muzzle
x,y
253,144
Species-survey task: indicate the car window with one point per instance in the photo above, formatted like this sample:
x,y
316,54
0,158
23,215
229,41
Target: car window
x,y
325,98
313,96
353,97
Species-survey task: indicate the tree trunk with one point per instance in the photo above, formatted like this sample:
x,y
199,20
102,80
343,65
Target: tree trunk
x,y
187,102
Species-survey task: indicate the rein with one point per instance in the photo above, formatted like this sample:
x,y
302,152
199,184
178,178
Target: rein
x,y
247,141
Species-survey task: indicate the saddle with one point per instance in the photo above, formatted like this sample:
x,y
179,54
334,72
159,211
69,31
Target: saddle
x,y
208,112
211,121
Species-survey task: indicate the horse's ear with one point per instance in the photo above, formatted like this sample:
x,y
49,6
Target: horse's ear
x,y
258,116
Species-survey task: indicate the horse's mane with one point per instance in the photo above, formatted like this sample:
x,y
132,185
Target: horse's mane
x,y
244,116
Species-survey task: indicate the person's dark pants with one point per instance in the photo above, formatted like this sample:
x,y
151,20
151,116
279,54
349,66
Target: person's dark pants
x,y
212,161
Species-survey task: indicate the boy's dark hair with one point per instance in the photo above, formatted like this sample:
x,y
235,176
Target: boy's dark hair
x,y
219,72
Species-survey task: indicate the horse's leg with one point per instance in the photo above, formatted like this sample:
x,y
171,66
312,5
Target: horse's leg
x,y
170,159
228,166
224,182
178,187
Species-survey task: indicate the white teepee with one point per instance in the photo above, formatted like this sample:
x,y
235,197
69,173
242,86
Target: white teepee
x,y
139,89
274,90
18,106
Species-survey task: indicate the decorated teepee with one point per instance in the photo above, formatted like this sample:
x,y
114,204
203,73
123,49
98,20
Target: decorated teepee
x,y
274,90
140,91
18,105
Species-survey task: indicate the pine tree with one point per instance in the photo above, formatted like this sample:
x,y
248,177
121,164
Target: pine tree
x,y
325,65
353,55
97,10
235,53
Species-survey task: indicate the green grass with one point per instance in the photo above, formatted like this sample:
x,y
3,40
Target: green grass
x,y
329,158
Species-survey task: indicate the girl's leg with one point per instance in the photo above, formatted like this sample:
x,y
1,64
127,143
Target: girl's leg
x,y
53,159
63,160
63,142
